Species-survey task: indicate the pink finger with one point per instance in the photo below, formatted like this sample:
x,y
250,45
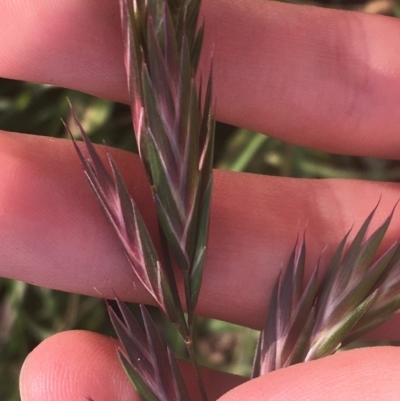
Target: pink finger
x,y
73,365
321,78
54,234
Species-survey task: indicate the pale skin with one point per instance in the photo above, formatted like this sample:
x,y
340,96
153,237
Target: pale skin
x,y
319,78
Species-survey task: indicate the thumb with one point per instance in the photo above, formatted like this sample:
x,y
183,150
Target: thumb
x,y
362,374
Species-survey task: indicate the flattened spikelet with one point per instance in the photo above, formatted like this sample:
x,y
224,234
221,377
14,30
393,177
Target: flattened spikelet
x,y
357,294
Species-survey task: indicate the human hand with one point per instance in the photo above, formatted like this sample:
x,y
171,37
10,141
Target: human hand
x,y
312,76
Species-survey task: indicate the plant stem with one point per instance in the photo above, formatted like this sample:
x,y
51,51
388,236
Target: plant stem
x,y
168,264
192,354
186,279
187,337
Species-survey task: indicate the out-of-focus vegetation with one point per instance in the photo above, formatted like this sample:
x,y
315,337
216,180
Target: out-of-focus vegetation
x,y
30,314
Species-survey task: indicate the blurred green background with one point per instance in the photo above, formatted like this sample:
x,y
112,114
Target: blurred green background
x,y
30,314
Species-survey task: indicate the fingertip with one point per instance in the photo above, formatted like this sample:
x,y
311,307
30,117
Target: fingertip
x,y
72,366
367,374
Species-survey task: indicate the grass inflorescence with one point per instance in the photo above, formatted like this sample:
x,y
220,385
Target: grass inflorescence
x,y
174,129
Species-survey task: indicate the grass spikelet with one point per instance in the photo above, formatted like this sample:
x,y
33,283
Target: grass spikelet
x,y
357,294
173,127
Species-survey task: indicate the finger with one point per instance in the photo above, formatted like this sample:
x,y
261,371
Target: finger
x,y
321,78
53,232
75,44
73,365
363,374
